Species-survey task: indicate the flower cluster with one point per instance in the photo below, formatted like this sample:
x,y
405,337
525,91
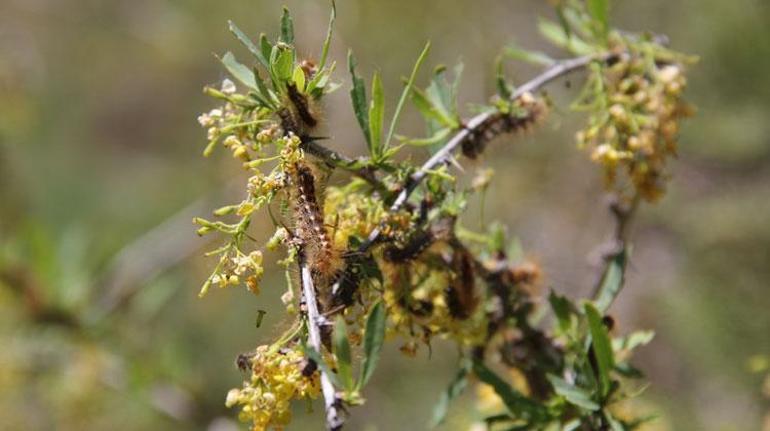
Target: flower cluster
x,y
278,376
637,104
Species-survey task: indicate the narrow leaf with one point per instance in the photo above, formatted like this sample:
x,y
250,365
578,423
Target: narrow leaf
x,y
535,57
376,116
612,281
573,394
328,40
238,71
248,44
282,63
456,387
405,93
600,12
437,137
373,339
555,34
265,47
518,404
601,346
287,27
562,308
503,89
358,97
342,352
299,78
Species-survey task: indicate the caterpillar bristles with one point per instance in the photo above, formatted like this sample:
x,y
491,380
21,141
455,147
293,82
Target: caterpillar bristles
x,y
526,112
323,259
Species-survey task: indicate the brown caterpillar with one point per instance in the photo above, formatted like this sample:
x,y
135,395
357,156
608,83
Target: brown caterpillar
x,y
322,258
419,242
461,292
527,111
298,114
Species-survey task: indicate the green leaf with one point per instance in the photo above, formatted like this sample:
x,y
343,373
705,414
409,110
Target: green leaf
x,y
358,97
437,137
267,97
601,346
556,35
535,57
405,93
430,111
248,44
373,339
238,71
328,40
287,27
573,394
376,116
612,281
441,96
266,48
503,89
518,404
299,78
600,12
562,308
283,63
633,340
342,352
455,388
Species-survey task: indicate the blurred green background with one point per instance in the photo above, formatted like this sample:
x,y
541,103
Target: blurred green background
x,y
101,173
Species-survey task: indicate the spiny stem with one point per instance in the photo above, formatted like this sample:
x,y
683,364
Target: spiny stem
x,y
334,419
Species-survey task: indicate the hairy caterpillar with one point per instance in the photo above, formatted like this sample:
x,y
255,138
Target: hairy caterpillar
x,y
527,111
322,258
298,115
419,242
461,292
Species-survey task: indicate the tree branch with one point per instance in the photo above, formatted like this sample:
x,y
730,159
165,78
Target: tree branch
x,y
334,419
469,128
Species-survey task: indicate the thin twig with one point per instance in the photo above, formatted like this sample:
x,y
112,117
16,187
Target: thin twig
x,y
336,159
334,420
622,214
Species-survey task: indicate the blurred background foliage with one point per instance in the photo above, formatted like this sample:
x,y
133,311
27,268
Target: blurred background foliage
x,y
100,174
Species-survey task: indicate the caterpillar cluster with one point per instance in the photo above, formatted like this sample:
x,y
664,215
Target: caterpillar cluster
x,y
526,112
320,254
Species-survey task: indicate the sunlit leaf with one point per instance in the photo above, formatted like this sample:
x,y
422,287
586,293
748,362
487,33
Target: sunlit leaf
x,y
376,116
555,34
534,57
600,12
238,70
573,394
